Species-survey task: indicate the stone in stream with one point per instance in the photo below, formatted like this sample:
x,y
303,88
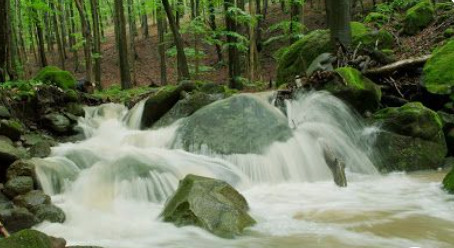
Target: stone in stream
x,y
32,199
336,166
27,239
448,182
8,154
17,218
208,203
18,186
12,129
41,149
57,123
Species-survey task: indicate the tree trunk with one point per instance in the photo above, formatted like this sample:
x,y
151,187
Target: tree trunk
x,y
253,54
61,8
183,70
13,63
234,59
144,21
39,37
4,10
61,52
87,36
212,22
72,39
161,46
338,13
122,44
132,35
97,43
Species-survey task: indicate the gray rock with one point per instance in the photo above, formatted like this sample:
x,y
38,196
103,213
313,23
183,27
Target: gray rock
x,y
32,200
49,212
40,149
21,168
4,112
12,129
208,203
18,186
17,219
57,123
8,154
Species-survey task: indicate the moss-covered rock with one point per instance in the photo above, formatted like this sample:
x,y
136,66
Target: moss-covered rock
x,y
439,70
32,199
12,129
16,219
159,104
376,18
4,112
40,149
300,55
18,185
57,123
443,6
448,182
448,33
239,124
49,212
412,139
419,17
355,89
8,154
55,76
369,38
208,203
21,168
27,239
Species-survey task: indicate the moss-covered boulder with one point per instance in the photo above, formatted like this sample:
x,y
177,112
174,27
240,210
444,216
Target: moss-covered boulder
x,y
369,38
12,129
240,124
186,107
412,138
27,239
376,18
208,203
4,112
439,70
40,149
160,103
418,17
17,186
49,212
57,123
448,182
55,76
355,89
17,218
8,154
32,199
21,168
300,55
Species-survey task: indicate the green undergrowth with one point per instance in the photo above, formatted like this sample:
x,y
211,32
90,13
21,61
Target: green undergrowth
x,y
114,93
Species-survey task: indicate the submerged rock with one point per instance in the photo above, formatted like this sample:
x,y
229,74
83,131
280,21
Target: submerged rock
x,y
448,182
413,138
208,203
27,239
439,71
419,17
240,124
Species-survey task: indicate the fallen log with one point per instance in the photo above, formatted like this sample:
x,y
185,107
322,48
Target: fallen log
x,y
396,66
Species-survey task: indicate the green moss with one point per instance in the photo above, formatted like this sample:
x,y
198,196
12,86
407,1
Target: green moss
x,y
27,239
368,38
419,17
114,93
448,182
300,55
358,29
443,6
55,76
439,70
448,33
377,18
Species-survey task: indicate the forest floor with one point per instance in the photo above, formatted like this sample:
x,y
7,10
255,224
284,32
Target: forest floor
x,y
147,64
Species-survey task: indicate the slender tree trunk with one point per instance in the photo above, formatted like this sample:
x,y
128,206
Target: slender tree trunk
x,y
122,44
234,58
39,37
212,22
183,70
161,46
32,42
13,62
62,20
61,49
4,11
88,40
20,32
338,13
132,35
97,43
253,53
72,38
144,21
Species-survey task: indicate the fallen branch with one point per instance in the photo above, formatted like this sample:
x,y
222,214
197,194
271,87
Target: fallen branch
x,y
3,230
396,66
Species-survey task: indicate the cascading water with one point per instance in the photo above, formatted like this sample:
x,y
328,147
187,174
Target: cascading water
x,y
112,186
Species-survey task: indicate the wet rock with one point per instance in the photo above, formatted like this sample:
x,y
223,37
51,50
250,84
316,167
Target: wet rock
x,y
40,149
18,186
208,203
57,242
5,203
57,123
12,129
239,124
159,104
448,182
27,239
412,138
21,168
49,212
8,154
4,112
17,219
32,139
32,200
418,17
75,109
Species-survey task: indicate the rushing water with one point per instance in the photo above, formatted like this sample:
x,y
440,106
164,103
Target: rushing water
x,y
113,186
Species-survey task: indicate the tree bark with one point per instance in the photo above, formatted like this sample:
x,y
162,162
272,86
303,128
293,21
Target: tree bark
x,y
144,20
183,70
234,57
132,35
338,13
87,36
161,46
212,22
122,44
97,43
61,49
4,10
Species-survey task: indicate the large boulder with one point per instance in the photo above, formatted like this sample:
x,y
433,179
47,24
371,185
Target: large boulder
x,y
369,38
16,219
186,107
412,138
159,104
40,149
418,17
32,200
240,124
55,76
300,55
21,168
448,182
355,89
208,203
12,129
57,123
8,154
439,71
27,239
49,212
18,185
